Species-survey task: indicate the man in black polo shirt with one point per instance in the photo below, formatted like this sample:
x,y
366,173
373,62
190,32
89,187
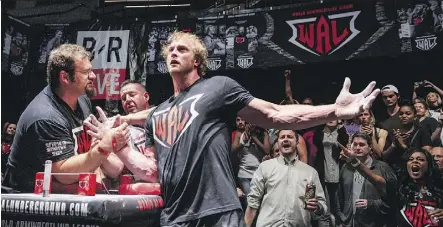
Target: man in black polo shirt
x,y
51,127
189,133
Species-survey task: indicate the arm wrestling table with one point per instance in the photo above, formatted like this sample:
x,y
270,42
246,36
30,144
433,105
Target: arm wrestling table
x,y
62,210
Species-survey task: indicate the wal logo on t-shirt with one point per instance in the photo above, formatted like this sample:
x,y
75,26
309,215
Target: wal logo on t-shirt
x,y
170,124
416,213
82,140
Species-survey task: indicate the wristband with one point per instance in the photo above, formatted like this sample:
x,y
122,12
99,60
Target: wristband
x,y
114,144
101,150
354,163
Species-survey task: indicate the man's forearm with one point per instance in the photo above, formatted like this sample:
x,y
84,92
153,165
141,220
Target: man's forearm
x,y
141,166
378,181
250,216
138,118
112,166
302,116
87,162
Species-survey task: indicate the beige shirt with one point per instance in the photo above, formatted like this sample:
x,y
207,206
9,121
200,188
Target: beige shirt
x,y
278,184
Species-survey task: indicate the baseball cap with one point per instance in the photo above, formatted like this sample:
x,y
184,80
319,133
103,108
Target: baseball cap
x,y
390,88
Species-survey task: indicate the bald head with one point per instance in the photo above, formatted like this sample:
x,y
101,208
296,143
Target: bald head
x,y
437,153
134,97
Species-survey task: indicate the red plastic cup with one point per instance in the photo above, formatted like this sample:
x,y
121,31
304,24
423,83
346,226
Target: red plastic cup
x,y
38,184
86,184
125,181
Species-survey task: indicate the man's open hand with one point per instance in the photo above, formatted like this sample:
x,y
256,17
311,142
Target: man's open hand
x,y
351,105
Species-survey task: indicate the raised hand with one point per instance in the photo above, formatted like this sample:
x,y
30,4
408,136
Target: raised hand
x,y
287,73
345,154
428,83
400,137
351,105
100,127
367,129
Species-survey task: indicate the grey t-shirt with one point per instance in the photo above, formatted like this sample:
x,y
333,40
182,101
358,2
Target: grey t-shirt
x,y
193,143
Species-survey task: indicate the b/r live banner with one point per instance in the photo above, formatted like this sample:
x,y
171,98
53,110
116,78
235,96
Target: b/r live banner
x,y
109,51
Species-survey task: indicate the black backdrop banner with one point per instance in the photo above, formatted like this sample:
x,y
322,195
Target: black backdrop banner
x,y
309,32
15,48
212,30
420,25
52,37
146,39
328,31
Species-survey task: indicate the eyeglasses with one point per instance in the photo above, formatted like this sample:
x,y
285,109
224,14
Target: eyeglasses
x,y
86,72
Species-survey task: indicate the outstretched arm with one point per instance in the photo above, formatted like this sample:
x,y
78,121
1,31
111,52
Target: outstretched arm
x,y
138,118
347,106
429,84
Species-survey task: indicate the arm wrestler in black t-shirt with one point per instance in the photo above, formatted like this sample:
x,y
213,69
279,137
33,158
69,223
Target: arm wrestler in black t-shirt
x,y
189,134
51,127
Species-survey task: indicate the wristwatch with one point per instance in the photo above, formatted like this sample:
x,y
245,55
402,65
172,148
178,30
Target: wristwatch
x,y
101,150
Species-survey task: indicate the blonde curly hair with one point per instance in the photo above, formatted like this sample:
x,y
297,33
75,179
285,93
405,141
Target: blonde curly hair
x,y
198,48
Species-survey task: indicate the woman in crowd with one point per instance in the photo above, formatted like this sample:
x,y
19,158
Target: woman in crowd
x,y
8,133
409,135
420,192
433,98
378,135
435,105
428,123
251,145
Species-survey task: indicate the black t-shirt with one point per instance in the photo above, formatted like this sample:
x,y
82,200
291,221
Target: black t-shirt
x,y
391,122
48,129
193,143
418,138
430,124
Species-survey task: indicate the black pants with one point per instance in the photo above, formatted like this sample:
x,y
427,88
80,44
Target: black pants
x,y
332,190
233,218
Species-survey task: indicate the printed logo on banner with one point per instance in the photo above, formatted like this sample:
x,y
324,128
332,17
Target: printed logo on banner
x,y
245,62
321,35
240,39
162,67
213,64
109,50
170,124
426,43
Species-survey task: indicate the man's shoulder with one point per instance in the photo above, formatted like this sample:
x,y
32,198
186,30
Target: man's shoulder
x,y
221,78
39,109
305,166
383,166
